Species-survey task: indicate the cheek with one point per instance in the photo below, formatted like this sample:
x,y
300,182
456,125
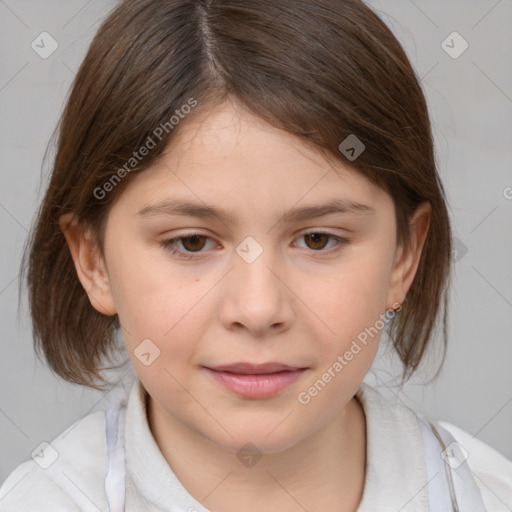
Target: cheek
x,y
162,340
354,297
155,306
352,307
353,310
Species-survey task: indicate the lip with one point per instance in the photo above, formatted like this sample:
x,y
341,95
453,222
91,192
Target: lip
x,y
254,369
255,380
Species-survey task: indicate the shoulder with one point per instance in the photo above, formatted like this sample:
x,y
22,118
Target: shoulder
x,y
395,427
492,471
66,474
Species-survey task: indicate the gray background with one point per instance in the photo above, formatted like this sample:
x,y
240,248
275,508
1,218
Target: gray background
x,y
470,99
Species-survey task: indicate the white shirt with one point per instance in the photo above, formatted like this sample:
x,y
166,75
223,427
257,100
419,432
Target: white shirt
x,y
70,473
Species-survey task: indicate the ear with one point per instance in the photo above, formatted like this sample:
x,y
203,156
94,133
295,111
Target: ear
x,y
407,260
89,265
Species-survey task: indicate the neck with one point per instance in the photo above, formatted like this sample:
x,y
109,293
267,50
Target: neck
x,y
325,471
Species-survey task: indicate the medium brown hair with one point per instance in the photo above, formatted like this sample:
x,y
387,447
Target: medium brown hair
x,y
321,70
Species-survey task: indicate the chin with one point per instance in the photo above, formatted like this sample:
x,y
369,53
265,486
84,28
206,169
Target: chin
x,y
259,439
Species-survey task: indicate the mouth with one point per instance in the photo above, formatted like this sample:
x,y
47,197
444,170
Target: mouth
x,y
255,380
254,369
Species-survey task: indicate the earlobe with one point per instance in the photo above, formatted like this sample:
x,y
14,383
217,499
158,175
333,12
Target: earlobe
x,y
407,259
89,265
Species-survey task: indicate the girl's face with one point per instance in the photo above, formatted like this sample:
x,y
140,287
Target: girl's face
x,y
261,270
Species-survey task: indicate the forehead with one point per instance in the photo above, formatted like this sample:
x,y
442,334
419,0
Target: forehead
x,y
228,156
225,130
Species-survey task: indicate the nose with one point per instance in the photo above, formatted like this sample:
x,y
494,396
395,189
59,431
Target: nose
x,y
257,297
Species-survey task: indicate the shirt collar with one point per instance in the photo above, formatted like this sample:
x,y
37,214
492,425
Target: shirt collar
x,y
396,473
150,482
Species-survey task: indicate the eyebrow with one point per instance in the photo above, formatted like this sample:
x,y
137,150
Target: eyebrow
x,y
191,209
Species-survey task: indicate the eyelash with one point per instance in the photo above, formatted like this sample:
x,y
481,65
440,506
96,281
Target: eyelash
x,y
169,244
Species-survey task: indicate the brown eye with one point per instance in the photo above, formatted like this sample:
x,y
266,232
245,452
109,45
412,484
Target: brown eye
x,y
323,243
193,243
318,240
191,246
